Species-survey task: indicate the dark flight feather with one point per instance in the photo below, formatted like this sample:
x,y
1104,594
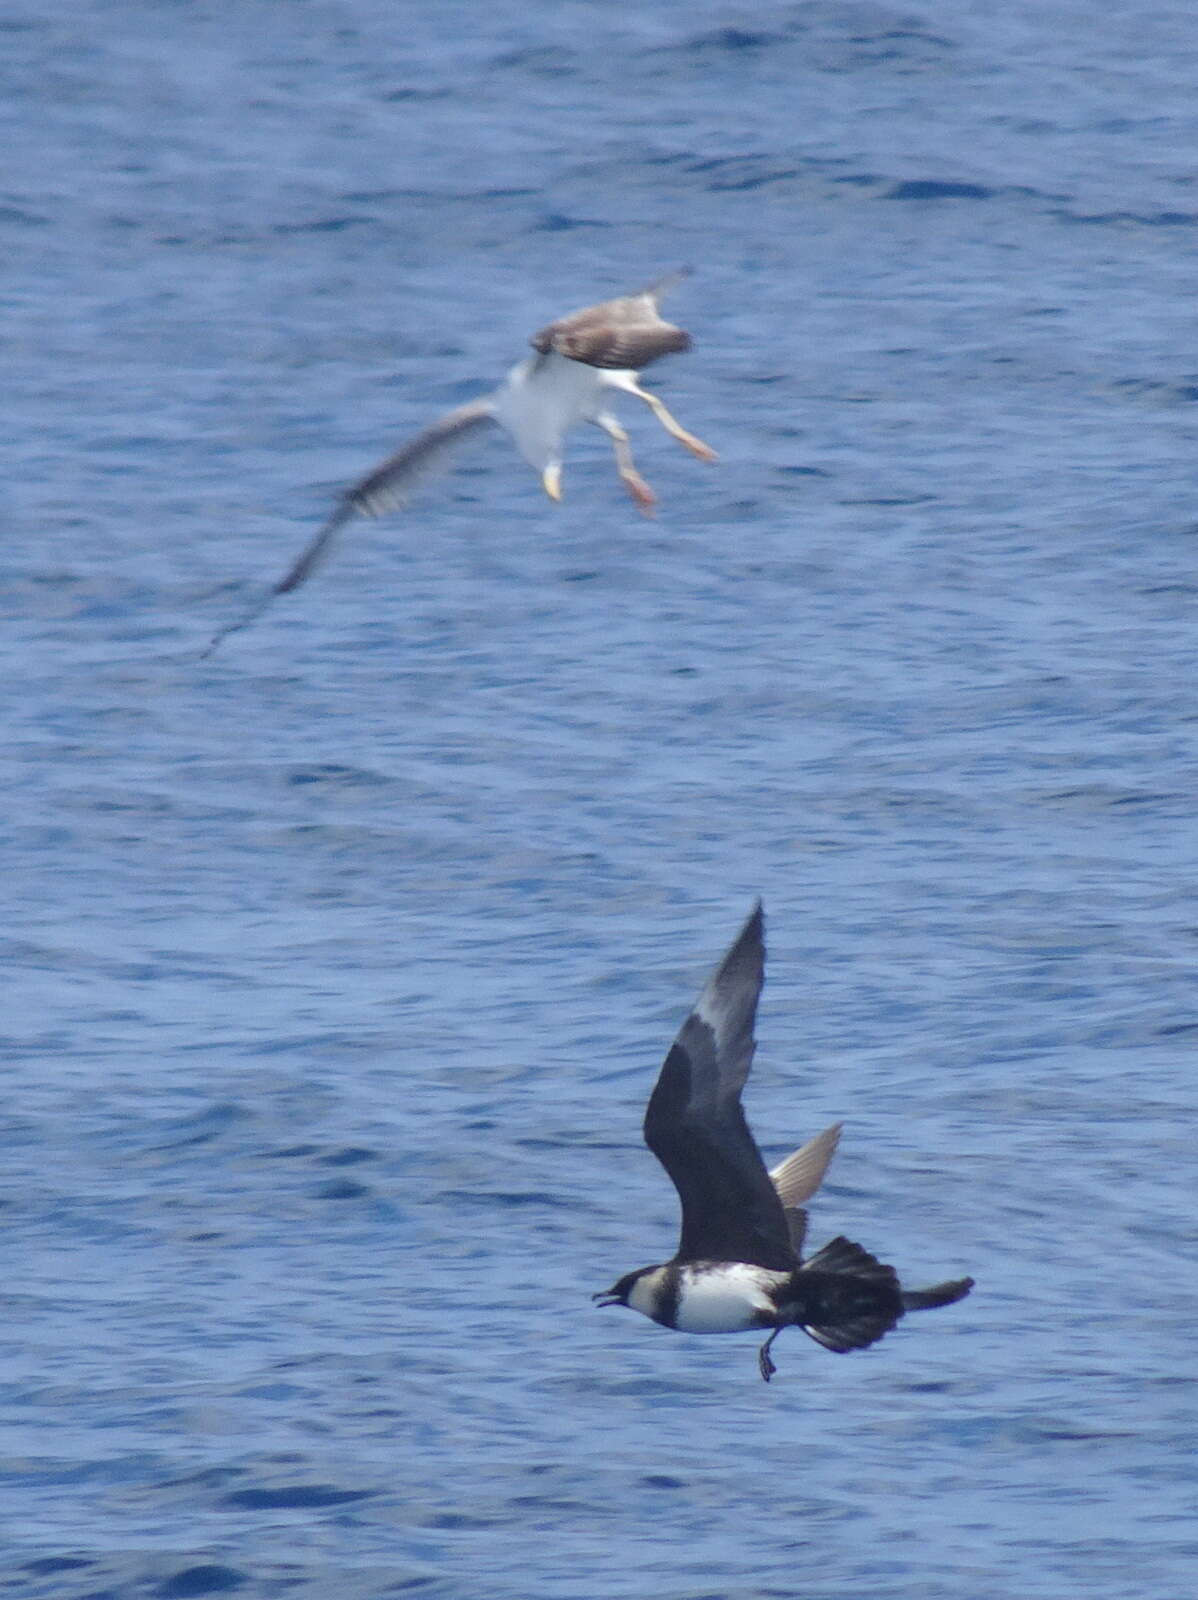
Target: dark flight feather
x,y
696,1127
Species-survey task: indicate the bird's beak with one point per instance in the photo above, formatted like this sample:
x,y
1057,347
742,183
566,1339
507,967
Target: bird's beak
x,y
551,479
607,1298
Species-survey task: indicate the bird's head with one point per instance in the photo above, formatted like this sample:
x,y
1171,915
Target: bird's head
x,y
622,1291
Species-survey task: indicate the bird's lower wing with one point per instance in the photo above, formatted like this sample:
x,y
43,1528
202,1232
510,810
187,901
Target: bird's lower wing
x,y
800,1175
389,485
384,489
391,482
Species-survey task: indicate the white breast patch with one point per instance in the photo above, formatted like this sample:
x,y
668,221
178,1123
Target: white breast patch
x,y
725,1298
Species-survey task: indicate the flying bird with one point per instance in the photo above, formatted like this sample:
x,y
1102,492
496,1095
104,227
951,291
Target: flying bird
x,y
739,1263
581,362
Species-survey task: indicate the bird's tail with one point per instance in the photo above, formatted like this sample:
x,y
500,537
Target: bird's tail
x,y
845,1259
858,1301
940,1294
860,1298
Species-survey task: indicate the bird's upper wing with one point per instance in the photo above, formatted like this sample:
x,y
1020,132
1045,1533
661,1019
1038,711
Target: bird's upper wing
x,y
383,489
618,334
696,1128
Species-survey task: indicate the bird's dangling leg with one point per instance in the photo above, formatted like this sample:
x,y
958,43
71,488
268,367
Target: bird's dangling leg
x,y
625,465
672,425
764,1360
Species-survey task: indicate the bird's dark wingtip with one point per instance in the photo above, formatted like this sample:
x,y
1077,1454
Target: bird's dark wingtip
x,y
669,280
746,953
748,946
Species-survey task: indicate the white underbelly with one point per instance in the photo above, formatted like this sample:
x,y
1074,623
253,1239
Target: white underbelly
x,y
726,1299
543,399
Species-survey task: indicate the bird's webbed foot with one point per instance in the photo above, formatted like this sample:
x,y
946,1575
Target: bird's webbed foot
x,y
625,465
640,491
765,1361
674,428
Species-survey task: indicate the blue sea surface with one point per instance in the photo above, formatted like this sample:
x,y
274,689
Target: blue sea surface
x,y
340,965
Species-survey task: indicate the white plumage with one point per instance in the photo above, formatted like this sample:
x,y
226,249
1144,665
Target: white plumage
x,y
581,362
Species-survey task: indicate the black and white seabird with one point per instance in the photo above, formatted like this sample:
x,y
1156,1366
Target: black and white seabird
x,y
581,363
739,1263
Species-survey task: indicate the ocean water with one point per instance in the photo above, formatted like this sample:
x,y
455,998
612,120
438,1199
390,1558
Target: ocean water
x,y
340,965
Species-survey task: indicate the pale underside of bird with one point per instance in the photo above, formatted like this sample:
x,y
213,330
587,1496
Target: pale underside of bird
x,y
739,1263
581,364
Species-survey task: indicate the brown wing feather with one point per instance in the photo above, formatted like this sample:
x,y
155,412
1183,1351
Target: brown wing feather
x,y
618,334
381,490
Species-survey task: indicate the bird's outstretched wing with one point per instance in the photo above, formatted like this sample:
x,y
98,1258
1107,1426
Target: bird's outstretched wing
x,y
798,1177
625,334
383,489
696,1128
